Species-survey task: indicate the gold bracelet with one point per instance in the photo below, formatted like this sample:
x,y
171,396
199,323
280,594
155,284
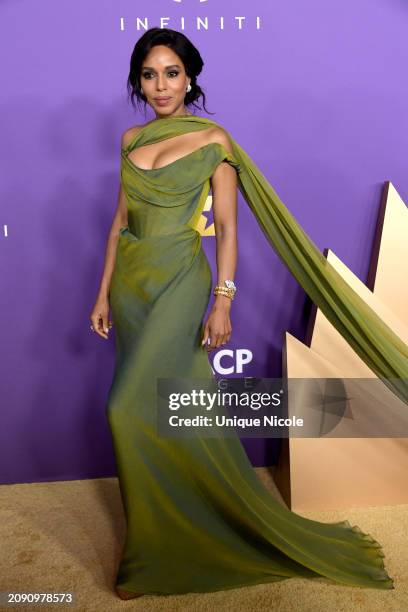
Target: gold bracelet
x,y
219,290
226,289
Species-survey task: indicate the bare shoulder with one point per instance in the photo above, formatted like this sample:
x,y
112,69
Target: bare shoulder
x,y
218,134
129,135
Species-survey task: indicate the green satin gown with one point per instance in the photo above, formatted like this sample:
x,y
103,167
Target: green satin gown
x,y
198,517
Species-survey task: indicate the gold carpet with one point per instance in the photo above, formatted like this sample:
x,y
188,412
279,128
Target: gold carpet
x,y
67,536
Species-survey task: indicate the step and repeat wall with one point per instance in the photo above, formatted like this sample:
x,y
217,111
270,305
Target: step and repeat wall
x,y
313,91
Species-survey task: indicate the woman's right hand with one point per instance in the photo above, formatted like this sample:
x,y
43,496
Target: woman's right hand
x,y
99,317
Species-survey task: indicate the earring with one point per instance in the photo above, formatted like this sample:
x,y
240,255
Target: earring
x,y
141,91
188,88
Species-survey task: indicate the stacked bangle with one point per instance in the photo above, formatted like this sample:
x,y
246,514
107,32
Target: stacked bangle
x,y
229,290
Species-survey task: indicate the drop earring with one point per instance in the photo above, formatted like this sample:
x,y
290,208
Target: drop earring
x,y
141,91
188,88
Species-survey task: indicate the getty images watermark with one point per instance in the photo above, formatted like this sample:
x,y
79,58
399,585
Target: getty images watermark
x,y
279,408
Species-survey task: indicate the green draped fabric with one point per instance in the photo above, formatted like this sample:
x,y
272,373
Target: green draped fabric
x,y
198,517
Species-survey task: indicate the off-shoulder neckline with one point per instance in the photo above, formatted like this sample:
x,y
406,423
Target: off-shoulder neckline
x,y
182,158
164,119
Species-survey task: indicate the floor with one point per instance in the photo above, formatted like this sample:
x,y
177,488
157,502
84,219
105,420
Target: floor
x,y
67,536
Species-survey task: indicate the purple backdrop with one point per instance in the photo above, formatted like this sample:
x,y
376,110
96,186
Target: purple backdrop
x,y
314,91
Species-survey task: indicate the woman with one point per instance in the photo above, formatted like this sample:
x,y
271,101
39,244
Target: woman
x,y
198,517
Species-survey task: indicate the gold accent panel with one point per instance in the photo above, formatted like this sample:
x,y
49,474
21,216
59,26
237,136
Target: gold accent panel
x,y
340,473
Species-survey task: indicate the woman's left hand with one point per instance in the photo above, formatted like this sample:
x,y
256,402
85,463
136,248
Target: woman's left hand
x,y
218,325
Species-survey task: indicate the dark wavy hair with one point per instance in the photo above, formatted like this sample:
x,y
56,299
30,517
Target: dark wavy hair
x,y
182,46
